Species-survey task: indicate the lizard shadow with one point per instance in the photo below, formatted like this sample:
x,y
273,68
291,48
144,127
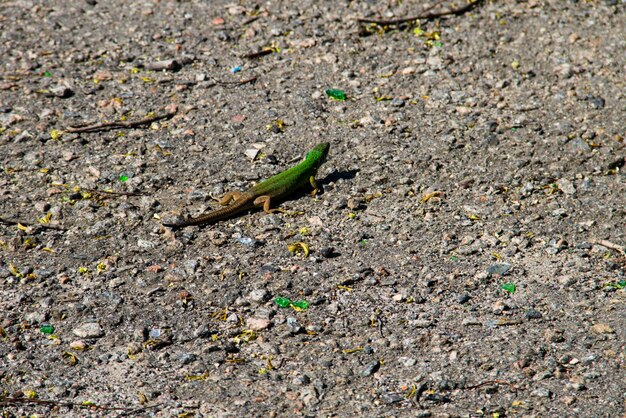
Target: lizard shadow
x,y
330,178
339,175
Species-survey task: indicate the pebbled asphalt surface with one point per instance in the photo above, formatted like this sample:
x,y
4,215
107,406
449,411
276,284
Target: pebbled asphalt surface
x,y
466,256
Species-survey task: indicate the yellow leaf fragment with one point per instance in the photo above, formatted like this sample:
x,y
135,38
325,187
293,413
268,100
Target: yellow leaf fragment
x,y
14,271
245,337
30,394
70,358
45,219
427,196
299,248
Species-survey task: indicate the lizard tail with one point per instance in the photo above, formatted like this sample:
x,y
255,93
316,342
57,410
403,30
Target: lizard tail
x,y
238,206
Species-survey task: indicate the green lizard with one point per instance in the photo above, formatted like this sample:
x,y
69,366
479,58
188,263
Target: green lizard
x,y
261,195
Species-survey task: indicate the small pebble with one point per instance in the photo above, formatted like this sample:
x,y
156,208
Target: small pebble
x,y
186,358
294,326
500,269
78,345
391,398
398,102
89,330
533,314
258,324
302,380
259,296
371,368
247,241
463,298
601,328
327,252
542,393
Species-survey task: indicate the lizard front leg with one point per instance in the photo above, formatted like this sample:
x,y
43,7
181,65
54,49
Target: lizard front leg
x,y
314,185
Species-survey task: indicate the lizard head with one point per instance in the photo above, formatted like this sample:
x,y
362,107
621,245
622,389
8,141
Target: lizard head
x,y
319,153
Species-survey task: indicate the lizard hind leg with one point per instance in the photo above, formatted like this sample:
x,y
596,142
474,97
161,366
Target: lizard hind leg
x,y
229,197
264,201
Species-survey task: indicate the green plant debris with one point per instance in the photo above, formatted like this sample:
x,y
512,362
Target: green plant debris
x,y
336,94
509,287
298,305
617,285
47,329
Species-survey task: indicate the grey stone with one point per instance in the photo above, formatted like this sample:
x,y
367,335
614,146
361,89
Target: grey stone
x,y
89,330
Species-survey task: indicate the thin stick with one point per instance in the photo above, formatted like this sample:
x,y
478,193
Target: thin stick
x,y
6,400
249,20
258,54
113,193
610,245
489,382
423,15
238,83
44,226
120,124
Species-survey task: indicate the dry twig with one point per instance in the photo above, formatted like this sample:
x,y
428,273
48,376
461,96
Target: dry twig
x,y
491,382
105,126
424,15
610,245
44,226
112,193
7,401
238,83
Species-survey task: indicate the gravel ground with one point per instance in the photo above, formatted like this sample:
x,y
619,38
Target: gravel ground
x,y
466,253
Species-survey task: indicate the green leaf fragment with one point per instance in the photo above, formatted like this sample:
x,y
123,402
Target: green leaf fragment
x,y
282,302
123,178
47,74
300,304
47,329
286,303
336,94
509,287
619,285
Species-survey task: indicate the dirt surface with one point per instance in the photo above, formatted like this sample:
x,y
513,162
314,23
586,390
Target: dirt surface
x,y
466,253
